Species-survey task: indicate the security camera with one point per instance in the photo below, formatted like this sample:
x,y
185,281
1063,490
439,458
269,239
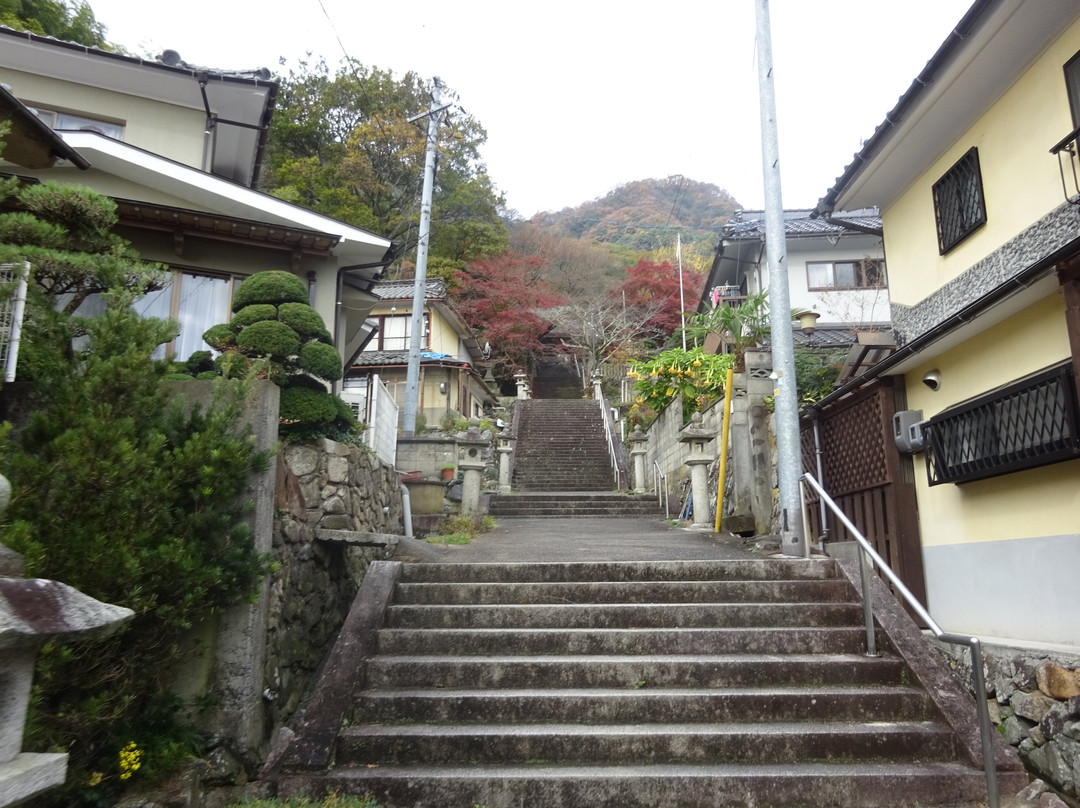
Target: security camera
x,y
932,379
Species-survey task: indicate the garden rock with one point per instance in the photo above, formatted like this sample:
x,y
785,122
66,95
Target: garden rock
x,y
1032,706
1057,682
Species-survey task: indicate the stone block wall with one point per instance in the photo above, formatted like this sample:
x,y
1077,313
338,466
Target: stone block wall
x,y
324,486
1035,701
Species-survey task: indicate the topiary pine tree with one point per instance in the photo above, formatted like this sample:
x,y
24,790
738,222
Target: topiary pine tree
x,y
273,322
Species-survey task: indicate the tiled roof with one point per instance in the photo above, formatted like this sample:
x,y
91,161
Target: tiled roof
x,y
385,358
435,289
798,223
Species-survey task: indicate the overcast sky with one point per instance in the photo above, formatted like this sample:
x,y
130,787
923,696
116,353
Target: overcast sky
x,y
579,96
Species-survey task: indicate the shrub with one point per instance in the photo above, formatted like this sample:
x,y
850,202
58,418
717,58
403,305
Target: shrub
x,y
303,405
269,338
321,360
121,493
255,313
304,319
274,287
220,337
199,362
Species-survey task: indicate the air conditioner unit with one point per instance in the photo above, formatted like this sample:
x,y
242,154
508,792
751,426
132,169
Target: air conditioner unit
x,y
908,431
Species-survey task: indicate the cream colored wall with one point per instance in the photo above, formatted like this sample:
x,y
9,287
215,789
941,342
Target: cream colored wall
x,y
443,337
1021,181
1037,502
164,129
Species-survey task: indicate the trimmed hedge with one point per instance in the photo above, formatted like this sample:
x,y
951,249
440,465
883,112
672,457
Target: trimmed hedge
x,y
303,405
255,313
269,338
321,360
220,337
274,286
304,319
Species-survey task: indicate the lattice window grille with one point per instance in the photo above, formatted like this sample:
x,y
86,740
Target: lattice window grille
x,y
958,201
1033,422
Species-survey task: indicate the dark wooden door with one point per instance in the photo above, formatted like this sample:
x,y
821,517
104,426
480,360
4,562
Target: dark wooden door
x,y
871,482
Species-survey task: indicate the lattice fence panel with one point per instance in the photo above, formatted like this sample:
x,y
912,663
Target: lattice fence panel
x,y
854,443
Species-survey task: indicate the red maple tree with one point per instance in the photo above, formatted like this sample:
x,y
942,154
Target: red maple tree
x,y
655,287
498,298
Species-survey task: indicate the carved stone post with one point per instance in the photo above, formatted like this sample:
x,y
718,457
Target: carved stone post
x,y
522,380
471,445
638,439
597,393
505,447
697,438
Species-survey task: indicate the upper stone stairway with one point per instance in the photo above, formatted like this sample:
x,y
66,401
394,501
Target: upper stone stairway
x,y
669,684
562,466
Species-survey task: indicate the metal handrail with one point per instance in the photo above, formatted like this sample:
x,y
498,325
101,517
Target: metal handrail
x,y
973,644
610,440
660,486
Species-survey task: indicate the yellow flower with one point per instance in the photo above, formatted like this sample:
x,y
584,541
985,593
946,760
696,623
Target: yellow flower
x,y
697,363
640,399
95,779
130,760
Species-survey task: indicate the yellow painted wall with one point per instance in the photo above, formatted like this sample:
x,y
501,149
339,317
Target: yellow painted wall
x,y
165,129
1037,502
443,337
1021,181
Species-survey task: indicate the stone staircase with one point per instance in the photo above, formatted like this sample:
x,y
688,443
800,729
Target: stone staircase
x,y
667,684
561,447
573,504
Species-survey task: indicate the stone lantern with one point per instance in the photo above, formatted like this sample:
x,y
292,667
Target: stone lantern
x,y
638,439
597,391
697,439
505,447
471,445
34,612
522,380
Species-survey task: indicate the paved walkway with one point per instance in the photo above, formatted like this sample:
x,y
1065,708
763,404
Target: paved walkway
x,y
594,539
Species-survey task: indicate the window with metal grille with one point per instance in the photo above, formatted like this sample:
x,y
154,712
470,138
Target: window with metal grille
x,y
1030,423
958,201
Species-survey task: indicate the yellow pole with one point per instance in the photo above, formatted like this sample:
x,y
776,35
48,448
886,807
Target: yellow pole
x,y
722,477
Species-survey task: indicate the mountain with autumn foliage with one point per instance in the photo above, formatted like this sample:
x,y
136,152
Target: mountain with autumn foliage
x,y
646,216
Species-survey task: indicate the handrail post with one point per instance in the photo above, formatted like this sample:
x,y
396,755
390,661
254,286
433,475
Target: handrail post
x,y
868,606
867,554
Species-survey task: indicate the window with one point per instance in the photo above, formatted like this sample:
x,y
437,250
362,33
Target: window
x,y
1030,423
1072,85
394,333
866,273
958,201
194,300
65,120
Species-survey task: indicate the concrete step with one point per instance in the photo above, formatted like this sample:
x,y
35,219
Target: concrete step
x,y
749,569
639,672
757,743
626,592
636,641
624,615
837,785
568,511
651,705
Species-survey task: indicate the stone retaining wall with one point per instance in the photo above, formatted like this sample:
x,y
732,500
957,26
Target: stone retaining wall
x,y
321,487
1034,699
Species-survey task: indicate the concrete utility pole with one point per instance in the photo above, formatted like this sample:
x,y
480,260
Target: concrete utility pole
x,y
412,376
792,530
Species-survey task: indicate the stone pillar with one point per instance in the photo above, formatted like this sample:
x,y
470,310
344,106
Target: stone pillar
x,y
638,439
505,447
34,612
471,445
697,439
597,393
522,385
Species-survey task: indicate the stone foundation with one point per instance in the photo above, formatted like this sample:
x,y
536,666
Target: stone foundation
x,y
1035,702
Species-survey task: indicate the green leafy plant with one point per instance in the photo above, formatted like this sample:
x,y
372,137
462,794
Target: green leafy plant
x,y
273,324
469,526
123,493
695,375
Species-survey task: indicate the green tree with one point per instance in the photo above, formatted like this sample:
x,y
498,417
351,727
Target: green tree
x,y
121,492
274,325
341,144
70,21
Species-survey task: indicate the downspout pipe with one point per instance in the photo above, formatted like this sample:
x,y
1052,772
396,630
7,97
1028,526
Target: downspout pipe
x,y
406,510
